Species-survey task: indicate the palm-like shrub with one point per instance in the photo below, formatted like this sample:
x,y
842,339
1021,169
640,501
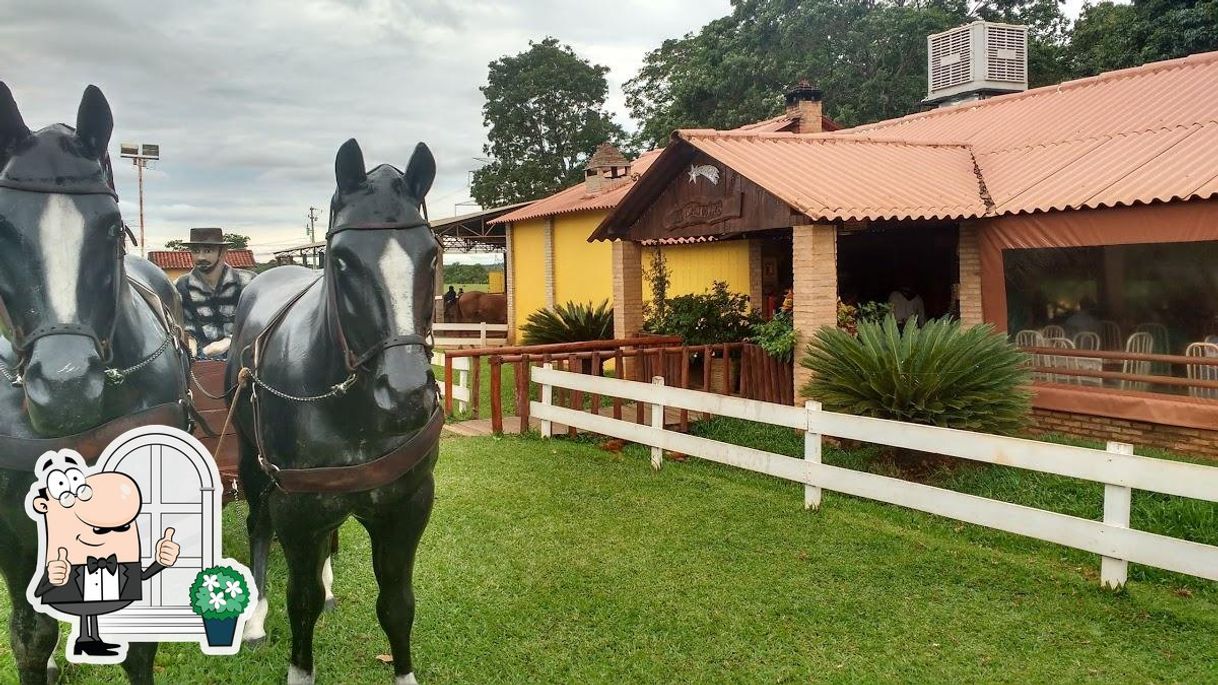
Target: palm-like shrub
x,y
570,322
939,374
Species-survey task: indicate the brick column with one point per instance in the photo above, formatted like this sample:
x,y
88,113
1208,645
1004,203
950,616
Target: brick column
x,y
755,286
549,262
627,295
969,257
627,288
814,262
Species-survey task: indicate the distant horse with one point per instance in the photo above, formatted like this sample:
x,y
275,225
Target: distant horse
x,y
88,348
476,307
336,407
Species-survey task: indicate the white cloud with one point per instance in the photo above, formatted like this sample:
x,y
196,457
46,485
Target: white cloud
x,y
250,100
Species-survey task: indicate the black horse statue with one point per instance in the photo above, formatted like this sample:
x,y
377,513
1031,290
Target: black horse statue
x,y
89,347
336,402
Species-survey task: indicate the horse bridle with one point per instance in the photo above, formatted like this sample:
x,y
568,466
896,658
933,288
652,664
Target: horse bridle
x,y
21,340
352,358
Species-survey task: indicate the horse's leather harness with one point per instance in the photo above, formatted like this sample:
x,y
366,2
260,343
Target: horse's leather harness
x,y
19,454
352,478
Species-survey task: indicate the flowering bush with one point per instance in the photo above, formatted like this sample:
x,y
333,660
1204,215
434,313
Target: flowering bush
x,y
219,592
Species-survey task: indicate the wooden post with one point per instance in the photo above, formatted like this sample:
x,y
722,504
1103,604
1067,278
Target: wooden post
x,y
595,400
522,392
812,454
475,386
547,398
496,394
619,371
448,385
575,397
657,421
482,334
1118,500
685,384
640,364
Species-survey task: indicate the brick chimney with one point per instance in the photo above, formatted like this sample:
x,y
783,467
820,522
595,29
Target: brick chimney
x,y
607,168
803,104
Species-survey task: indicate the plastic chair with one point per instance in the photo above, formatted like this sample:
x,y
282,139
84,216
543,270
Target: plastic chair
x,y
1110,336
1087,340
1138,343
1061,361
1030,338
1202,372
1053,331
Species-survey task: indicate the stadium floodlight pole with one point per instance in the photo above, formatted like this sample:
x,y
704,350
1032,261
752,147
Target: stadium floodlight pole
x,y
140,155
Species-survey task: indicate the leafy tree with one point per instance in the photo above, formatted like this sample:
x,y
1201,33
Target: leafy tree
x,y
465,273
1110,36
235,241
545,108
869,58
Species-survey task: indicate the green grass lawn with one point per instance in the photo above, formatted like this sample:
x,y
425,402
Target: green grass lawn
x,y
469,287
558,562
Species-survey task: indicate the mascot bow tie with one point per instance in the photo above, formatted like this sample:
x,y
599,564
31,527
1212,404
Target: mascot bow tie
x,y
109,563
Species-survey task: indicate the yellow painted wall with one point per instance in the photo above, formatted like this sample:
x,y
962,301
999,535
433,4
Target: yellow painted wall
x,y
528,280
583,271
694,268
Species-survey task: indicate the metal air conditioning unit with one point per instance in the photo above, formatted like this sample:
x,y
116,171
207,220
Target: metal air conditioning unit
x,y
976,60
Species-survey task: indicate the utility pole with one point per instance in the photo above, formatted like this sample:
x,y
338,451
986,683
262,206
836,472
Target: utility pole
x,y
140,155
312,227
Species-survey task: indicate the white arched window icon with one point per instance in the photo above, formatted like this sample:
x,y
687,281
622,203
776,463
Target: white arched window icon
x,y
179,484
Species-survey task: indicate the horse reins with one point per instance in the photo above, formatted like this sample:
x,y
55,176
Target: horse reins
x,y
333,479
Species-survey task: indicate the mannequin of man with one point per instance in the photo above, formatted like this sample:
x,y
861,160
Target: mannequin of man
x,y
210,293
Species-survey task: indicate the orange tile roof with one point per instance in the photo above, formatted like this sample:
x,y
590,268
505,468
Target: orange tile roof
x,y
182,259
828,177
1125,137
577,199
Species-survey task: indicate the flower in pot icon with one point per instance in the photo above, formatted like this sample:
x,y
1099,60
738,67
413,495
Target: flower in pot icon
x,y
220,595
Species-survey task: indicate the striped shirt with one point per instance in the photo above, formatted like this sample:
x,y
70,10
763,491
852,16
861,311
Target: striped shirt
x,y
209,313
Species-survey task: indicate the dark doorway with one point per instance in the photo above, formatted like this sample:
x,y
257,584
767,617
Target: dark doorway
x,y
919,259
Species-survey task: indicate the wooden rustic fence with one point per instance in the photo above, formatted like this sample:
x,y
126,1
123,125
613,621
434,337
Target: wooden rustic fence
x,y
1117,468
740,369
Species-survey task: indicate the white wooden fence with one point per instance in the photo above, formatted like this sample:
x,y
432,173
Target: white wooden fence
x,y
461,382
489,334
1117,468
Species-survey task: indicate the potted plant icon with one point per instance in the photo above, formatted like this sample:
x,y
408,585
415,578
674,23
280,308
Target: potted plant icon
x,y
219,595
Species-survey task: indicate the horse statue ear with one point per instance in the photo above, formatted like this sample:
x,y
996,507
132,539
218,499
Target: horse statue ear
x,y
12,127
420,172
94,122
349,166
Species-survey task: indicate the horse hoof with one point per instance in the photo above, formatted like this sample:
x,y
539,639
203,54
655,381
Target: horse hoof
x,y
331,604
52,674
254,643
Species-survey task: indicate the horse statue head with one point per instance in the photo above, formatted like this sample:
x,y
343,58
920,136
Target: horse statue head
x,y
61,261
380,273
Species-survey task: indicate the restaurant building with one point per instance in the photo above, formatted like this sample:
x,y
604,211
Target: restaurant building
x,y
1079,217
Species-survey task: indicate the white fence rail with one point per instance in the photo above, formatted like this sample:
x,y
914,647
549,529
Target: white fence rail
x,y
461,382
1117,468
488,334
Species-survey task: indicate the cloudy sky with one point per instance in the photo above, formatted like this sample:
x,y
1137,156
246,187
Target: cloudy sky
x,y
249,100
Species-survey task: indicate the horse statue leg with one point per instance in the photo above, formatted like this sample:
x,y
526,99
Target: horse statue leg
x,y
395,537
32,635
138,664
327,574
258,526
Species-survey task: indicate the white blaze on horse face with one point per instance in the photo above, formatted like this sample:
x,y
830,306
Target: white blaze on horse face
x,y
62,233
397,273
